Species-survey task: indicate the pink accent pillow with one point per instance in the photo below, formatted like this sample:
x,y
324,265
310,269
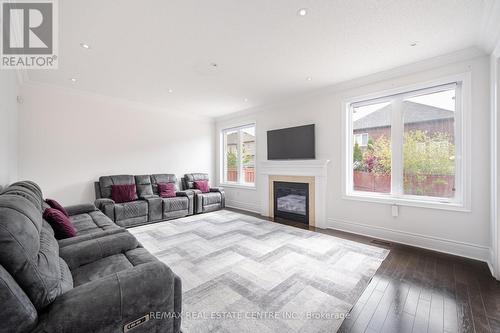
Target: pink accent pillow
x,y
54,204
60,223
202,185
123,193
166,190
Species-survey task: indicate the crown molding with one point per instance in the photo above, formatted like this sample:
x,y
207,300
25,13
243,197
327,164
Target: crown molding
x,y
489,38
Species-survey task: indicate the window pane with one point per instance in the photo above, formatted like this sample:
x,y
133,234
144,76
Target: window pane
x,y
372,148
231,148
248,154
429,145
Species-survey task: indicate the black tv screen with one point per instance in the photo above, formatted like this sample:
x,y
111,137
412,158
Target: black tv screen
x,y
294,143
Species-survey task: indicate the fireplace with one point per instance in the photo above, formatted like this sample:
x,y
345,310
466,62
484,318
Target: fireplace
x,y
291,201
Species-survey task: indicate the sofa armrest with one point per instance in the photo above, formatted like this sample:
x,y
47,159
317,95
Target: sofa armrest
x,y
80,209
111,303
222,193
155,207
91,250
107,206
216,189
190,195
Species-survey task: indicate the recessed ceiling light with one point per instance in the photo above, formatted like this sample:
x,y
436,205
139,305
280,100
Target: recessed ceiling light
x,y
170,90
73,79
413,44
309,78
302,12
85,46
245,100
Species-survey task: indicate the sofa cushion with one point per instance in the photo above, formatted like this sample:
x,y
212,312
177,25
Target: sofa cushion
x,y
17,310
123,193
132,209
176,203
111,265
162,178
105,183
202,185
30,253
60,223
143,184
92,222
211,198
166,190
190,178
28,191
56,205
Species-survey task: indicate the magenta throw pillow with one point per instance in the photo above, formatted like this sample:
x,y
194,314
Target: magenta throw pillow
x,y
60,223
166,190
56,205
202,185
123,193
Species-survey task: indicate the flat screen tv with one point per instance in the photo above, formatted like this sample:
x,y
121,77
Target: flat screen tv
x,y
294,143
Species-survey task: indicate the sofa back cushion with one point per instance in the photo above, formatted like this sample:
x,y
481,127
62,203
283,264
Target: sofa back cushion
x,y
28,190
143,185
162,178
123,193
190,178
29,251
18,313
105,183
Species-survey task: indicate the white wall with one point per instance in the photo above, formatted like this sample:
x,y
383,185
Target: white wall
x,y
463,233
70,138
8,127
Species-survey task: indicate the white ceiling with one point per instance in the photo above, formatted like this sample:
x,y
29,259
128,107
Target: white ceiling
x,y
264,51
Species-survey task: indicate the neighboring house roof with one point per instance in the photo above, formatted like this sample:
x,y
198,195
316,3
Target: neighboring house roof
x,y
413,113
232,138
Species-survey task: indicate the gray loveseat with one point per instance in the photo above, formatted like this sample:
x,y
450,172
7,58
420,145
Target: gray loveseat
x,y
102,280
148,207
204,202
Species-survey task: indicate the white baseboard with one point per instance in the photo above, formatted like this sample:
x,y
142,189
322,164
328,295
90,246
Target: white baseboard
x,y
248,206
463,249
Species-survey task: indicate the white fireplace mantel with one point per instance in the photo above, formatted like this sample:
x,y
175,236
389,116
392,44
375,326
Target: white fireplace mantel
x,y
314,168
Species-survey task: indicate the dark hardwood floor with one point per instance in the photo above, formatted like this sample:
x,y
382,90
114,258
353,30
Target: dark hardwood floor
x,y
417,290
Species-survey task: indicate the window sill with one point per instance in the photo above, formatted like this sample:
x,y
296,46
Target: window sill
x,y
430,204
241,186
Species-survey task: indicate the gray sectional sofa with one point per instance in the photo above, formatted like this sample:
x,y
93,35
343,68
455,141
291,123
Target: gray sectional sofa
x,y
148,207
204,202
100,281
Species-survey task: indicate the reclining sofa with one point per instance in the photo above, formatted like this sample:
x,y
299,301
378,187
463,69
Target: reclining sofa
x,y
215,199
149,206
101,280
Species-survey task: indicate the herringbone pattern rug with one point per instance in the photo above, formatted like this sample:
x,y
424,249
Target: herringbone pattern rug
x,y
245,274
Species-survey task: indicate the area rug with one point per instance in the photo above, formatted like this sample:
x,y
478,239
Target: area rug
x,y
244,274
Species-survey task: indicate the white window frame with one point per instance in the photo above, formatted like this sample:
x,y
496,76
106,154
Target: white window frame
x,y
461,202
222,177
361,136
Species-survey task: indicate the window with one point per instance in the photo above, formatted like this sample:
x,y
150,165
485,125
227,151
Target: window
x,y
407,146
239,155
361,139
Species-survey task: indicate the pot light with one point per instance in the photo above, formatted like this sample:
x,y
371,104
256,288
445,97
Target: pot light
x,y
302,12
85,46
412,44
170,91
309,78
73,80
245,100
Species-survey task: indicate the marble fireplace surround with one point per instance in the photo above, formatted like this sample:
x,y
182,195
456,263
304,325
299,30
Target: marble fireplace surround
x,y
312,172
